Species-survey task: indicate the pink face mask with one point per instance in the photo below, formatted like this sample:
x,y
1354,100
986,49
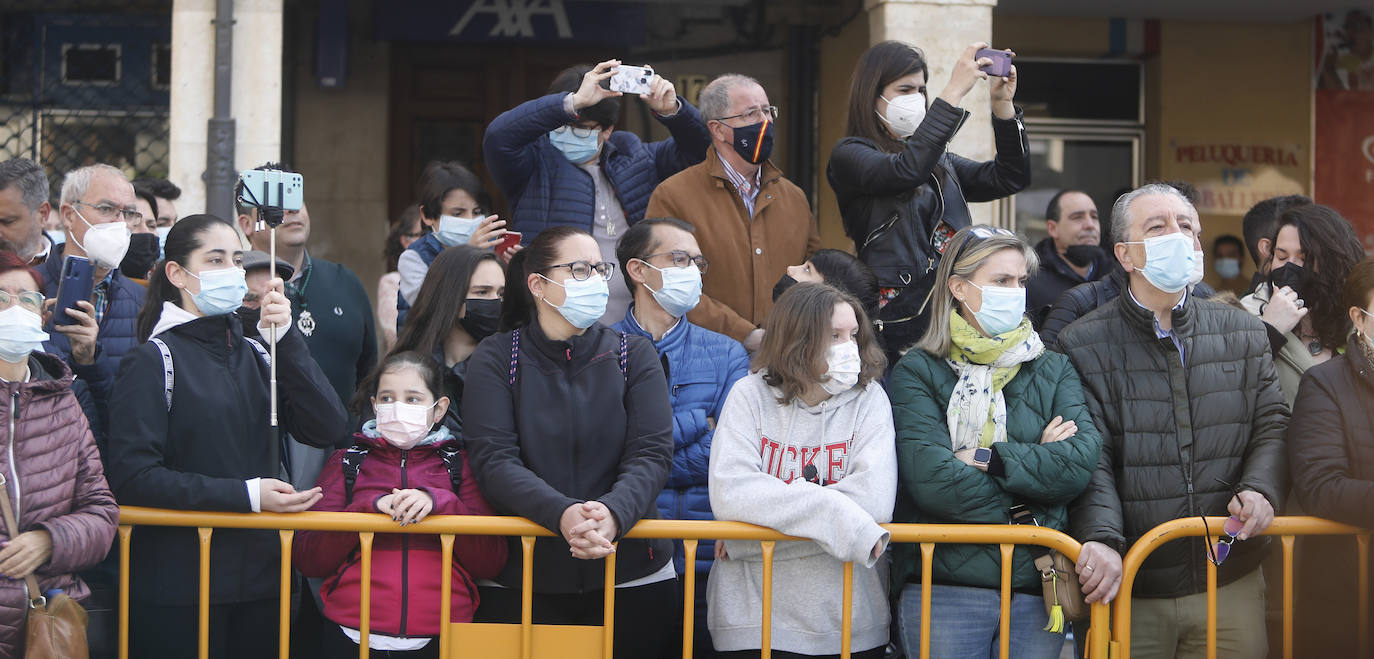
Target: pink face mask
x,y
403,425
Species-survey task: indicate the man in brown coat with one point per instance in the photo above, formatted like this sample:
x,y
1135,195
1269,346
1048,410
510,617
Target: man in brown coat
x,y
751,222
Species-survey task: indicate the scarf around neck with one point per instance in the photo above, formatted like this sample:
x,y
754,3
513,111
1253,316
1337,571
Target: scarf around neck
x,y
977,412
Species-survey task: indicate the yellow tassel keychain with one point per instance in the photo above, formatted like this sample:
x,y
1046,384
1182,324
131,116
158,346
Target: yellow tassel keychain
x,y
1056,623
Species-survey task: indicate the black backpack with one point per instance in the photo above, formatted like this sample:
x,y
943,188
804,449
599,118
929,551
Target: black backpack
x,y
353,463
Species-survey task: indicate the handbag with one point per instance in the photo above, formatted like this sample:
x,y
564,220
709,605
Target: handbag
x,y
56,625
1063,593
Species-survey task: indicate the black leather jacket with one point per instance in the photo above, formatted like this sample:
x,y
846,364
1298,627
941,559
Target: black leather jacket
x,y
892,203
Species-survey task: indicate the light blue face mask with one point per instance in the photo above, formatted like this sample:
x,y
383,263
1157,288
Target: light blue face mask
x,y
58,236
576,149
681,289
1003,309
221,291
1169,261
585,300
162,241
456,230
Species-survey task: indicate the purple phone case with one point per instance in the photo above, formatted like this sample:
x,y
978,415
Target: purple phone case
x,y
1001,61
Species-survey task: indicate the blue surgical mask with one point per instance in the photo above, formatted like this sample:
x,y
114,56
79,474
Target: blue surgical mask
x,y
1169,261
680,291
1227,268
585,300
1003,309
221,291
456,230
21,333
58,236
576,149
162,241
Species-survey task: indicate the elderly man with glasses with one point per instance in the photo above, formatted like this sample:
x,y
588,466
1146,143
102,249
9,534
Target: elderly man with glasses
x,y
98,211
752,222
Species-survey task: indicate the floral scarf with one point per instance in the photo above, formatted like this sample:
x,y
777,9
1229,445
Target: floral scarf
x,y
977,412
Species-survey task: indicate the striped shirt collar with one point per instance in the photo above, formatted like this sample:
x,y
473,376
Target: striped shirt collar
x,y
743,184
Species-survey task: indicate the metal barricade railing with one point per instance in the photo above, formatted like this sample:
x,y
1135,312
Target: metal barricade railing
x,y
690,532
1287,528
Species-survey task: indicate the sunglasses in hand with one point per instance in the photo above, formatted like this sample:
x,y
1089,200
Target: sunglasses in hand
x,y
1218,552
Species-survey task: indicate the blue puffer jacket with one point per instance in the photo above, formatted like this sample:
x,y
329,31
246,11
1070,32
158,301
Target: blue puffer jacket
x,y
545,189
118,332
702,366
427,248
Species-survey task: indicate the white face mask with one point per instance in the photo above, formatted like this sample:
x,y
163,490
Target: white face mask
x,y
403,425
904,113
105,244
843,366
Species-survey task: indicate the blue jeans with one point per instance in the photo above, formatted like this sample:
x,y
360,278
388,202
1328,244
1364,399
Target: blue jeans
x,y
964,624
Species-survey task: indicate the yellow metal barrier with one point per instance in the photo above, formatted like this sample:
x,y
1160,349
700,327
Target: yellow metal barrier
x,y
562,637
1284,527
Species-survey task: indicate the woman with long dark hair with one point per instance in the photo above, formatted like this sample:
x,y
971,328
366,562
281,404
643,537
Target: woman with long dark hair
x,y
191,432
404,232
902,194
1312,253
568,424
448,326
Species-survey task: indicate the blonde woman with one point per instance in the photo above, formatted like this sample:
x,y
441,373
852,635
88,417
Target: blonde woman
x,y
991,429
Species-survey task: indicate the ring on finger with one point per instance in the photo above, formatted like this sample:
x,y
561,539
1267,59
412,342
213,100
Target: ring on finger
x,y
1089,568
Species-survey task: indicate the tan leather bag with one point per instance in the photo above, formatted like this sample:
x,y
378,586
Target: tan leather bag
x,y
1059,578
56,628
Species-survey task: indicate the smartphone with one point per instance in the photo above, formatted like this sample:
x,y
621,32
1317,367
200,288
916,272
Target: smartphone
x,y
511,239
632,79
78,280
1001,61
273,189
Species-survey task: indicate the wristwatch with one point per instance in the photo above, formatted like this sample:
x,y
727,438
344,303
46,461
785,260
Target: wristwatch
x,y
982,456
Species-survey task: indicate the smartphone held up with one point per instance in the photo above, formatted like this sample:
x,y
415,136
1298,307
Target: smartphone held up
x,y
1001,62
632,79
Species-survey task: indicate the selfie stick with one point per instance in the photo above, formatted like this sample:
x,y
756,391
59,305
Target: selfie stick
x,y
272,216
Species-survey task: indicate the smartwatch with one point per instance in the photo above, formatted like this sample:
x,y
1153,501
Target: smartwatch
x,y
982,456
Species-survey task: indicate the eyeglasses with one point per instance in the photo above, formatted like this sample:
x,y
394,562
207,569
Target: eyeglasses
x,y
1218,552
682,259
577,131
755,115
31,300
582,270
108,212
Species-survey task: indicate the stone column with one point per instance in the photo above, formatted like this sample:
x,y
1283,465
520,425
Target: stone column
x,y
192,98
943,29
256,96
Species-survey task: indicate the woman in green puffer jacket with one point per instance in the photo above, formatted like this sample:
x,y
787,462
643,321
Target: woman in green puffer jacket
x,y
986,419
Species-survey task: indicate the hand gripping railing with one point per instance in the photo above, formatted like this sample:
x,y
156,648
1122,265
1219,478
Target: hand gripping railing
x,y
690,532
1287,528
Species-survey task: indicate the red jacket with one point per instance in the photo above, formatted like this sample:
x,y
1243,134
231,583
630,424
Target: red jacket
x,y
406,577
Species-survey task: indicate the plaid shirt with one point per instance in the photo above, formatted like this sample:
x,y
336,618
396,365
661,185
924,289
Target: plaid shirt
x,y
100,297
748,189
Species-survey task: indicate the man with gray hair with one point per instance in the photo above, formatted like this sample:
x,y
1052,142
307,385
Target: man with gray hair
x,y
98,207
752,223
24,208
1186,396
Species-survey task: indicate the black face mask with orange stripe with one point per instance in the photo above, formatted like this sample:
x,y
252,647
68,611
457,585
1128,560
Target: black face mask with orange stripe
x,y
754,142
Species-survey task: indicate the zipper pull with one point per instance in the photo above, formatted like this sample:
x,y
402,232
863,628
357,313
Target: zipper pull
x,y
403,459
569,350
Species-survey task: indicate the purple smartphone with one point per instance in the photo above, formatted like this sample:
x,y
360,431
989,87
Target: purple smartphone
x,y
1001,61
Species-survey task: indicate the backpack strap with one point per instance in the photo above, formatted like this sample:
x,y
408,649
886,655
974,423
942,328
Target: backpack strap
x,y
262,352
453,462
168,371
352,464
514,354
624,358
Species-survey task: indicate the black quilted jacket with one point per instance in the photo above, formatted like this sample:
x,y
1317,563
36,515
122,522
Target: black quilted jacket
x,y
1177,440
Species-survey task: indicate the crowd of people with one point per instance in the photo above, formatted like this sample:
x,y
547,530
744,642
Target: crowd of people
x,y
653,332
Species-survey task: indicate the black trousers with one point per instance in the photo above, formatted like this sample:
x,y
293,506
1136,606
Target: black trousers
x,y
334,644
643,615
245,629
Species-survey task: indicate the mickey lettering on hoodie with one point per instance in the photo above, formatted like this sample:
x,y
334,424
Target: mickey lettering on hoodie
x,y
787,462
